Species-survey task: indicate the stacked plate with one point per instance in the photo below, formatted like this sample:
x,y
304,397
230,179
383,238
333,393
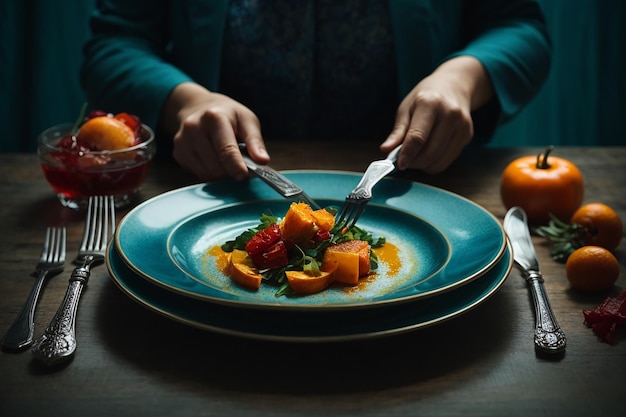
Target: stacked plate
x,y
453,256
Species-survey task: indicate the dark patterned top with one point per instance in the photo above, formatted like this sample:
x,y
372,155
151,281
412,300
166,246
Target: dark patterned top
x,y
312,69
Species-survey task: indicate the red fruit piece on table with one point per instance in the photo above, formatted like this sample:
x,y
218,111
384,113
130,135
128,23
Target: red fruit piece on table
x,y
604,318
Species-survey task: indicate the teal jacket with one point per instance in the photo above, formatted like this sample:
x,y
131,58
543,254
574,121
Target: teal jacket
x,y
141,49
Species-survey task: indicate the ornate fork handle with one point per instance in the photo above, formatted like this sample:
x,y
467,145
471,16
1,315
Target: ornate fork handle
x,y
58,342
548,334
375,172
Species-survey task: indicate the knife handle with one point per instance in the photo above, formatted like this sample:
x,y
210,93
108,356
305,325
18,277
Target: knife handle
x,y
549,337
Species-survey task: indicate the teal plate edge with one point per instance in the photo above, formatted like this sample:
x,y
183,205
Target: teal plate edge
x,y
311,327
155,214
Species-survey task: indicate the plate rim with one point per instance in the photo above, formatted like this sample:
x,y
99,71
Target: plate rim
x,y
325,307
497,283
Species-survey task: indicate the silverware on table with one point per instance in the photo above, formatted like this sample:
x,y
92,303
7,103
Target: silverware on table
x,y
51,261
549,338
58,342
361,194
283,185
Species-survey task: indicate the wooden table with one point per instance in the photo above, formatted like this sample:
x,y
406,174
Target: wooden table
x,y
133,362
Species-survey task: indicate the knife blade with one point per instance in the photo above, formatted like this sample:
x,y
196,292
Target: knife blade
x,y
283,185
549,338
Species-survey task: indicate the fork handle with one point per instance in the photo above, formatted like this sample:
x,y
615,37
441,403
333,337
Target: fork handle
x,y
20,334
58,342
375,172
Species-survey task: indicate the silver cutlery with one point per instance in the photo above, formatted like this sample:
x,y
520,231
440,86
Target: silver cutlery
x,y
361,194
58,342
283,185
549,338
51,261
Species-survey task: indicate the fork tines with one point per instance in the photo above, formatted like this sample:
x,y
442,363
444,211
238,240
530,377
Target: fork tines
x,y
350,213
53,250
99,223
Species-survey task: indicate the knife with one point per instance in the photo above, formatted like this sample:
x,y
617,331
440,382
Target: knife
x,y
283,185
549,338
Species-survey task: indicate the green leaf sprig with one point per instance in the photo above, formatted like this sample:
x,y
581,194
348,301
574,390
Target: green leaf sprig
x,y
565,237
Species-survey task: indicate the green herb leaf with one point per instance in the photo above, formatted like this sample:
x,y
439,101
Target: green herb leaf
x,y
565,237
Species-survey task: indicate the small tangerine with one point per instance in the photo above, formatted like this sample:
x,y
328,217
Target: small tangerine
x,y
603,225
592,269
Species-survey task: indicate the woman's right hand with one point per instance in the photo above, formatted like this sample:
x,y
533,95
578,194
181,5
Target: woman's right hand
x,y
206,129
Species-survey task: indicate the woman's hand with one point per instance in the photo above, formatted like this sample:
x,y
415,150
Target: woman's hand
x,y
434,120
208,127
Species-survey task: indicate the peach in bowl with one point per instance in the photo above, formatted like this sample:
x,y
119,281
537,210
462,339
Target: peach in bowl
x,y
107,155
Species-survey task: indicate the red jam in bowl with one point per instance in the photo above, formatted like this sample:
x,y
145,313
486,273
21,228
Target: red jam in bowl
x,y
76,172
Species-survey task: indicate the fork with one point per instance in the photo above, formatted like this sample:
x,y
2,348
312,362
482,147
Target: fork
x,y
51,261
58,342
356,201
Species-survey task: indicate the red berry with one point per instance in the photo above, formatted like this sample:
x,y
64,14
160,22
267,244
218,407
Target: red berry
x,y
263,240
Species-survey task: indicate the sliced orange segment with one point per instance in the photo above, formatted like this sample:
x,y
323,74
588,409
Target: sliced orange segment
x,y
303,283
352,259
323,219
298,225
242,270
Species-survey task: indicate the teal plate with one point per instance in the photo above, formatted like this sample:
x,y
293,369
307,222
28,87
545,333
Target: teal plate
x,y
318,326
444,240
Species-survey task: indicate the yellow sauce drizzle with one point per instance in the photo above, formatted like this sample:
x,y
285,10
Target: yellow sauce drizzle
x,y
221,259
388,254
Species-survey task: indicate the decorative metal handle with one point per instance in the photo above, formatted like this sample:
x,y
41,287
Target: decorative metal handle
x,y
281,184
277,181
58,342
375,172
20,334
548,334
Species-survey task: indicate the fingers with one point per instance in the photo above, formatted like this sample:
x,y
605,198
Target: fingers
x,y
207,141
434,131
249,132
225,151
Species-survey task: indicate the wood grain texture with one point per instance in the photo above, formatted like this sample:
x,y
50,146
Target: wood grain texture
x,y
133,362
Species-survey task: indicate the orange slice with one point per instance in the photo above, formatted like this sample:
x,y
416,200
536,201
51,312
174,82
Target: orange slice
x,y
303,283
352,259
105,133
242,270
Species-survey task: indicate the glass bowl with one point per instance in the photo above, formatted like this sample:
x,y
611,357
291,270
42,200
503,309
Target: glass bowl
x,y
75,176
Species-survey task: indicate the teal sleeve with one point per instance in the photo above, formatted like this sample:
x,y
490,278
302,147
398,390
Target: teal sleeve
x,y
125,62
512,44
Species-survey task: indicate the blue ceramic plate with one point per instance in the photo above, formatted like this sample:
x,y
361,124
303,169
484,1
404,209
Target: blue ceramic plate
x,y
318,326
444,240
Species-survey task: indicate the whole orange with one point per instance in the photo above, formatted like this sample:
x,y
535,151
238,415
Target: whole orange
x,y
603,226
592,269
105,133
542,185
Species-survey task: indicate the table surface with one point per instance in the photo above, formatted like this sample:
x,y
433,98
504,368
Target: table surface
x,y
131,361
